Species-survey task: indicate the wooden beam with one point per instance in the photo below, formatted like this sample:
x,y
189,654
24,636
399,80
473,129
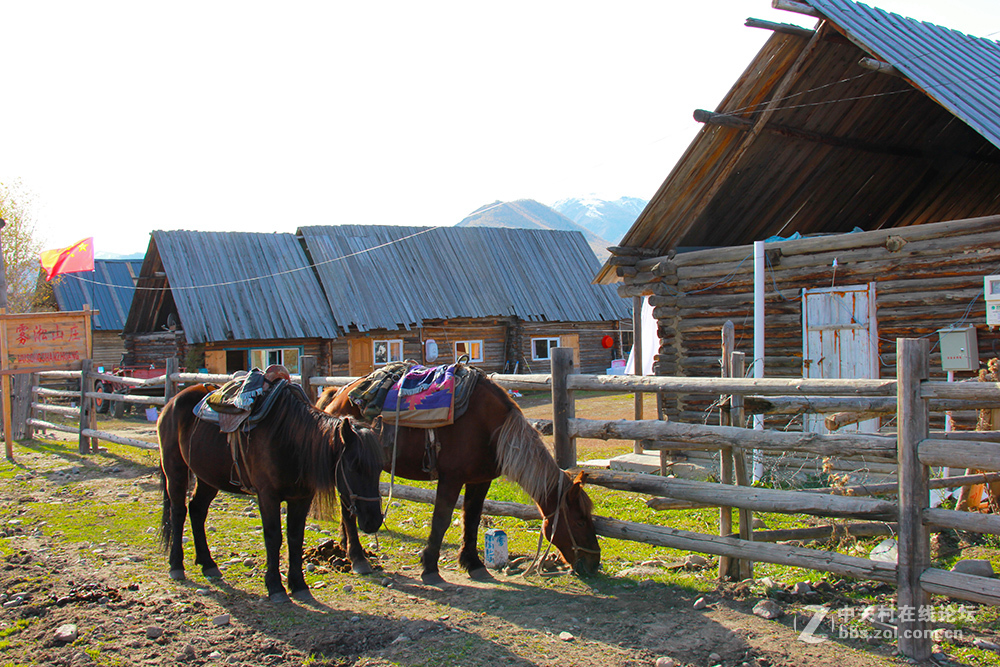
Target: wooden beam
x,y
797,7
784,28
961,586
880,67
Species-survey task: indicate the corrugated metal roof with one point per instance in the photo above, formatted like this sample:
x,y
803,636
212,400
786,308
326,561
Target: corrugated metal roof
x,y
107,289
959,71
241,286
808,140
388,277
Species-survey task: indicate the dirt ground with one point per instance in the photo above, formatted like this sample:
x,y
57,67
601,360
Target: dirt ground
x,y
127,611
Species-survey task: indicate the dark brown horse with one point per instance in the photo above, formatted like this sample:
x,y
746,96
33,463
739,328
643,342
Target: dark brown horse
x,y
294,453
491,439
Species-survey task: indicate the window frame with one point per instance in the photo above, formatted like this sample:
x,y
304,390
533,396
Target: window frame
x,y
467,343
265,354
389,343
553,342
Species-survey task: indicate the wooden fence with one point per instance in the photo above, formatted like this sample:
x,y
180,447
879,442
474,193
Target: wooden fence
x,y
913,450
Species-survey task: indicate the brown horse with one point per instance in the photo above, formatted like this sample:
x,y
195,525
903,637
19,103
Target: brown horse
x,y
295,452
491,439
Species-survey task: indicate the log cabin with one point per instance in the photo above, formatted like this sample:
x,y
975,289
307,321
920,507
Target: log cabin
x,y
866,152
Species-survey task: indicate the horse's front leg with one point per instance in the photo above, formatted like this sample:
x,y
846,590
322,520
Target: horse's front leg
x,y
270,517
472,512
295,527
198,510
444,506
349,540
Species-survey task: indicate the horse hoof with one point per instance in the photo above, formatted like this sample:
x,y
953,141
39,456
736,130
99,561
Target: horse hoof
x,y
433,579
304,595
361,568
480,574
177,575
279,598
212,573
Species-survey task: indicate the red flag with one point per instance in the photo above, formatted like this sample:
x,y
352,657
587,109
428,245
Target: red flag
x,y
77,257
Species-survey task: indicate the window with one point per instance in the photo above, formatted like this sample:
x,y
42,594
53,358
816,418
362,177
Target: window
x,y
285,356
387,351
473,348
540,348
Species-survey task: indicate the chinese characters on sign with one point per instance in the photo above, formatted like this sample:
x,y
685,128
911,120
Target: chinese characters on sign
x,y
50,340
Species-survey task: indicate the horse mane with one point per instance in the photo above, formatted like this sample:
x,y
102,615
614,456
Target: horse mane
x,y
315,439
521,454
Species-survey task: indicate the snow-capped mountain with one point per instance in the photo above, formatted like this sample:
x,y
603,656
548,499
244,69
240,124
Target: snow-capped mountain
x,y
607,219
529,214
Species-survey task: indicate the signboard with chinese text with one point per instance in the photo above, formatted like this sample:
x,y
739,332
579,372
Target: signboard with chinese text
x,y
49,341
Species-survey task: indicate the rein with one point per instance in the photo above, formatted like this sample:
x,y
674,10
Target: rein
x,y
339,472
554,515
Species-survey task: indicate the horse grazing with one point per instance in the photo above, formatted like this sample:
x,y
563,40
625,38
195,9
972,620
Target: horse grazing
x,y
293,453
491,439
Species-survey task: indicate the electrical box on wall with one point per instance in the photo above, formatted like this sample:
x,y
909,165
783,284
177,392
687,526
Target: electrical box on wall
x,y
959,349
991,289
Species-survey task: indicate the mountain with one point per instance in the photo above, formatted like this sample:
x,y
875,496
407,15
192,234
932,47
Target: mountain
x,y
113,255
529,214
607,219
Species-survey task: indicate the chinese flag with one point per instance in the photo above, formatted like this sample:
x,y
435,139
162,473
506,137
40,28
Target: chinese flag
x,y
77,257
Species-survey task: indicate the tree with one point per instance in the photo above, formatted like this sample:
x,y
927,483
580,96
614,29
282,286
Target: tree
x,y
20,249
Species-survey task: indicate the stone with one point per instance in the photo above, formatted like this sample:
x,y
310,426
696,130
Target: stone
x,y
700,603
801,588
189,652
401,639
221,619
566,636
249,562
664,661
154,632
986,645
714,657
695,561
768,609
66,633
977,566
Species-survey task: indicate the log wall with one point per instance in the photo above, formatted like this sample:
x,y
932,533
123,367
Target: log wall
x,y
926,277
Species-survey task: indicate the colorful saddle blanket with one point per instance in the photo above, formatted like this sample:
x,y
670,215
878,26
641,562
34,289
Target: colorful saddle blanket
x,y
245,401
409,394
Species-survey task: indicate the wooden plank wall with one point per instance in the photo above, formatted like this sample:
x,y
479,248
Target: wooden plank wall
x,y
927,278
593,357
108,349
154,348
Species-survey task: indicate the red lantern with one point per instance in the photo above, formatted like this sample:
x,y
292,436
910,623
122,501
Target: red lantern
x,y
607,342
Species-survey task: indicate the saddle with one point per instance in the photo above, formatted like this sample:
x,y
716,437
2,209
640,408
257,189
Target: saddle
x,y
408,394
239,405
245,401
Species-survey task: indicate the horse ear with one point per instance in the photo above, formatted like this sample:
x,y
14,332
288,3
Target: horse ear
x,y
344,429
580,479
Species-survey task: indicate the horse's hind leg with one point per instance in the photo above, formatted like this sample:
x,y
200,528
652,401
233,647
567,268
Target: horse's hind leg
x,y
350,540
270,517
198,509
177,484
444,506
295,527
472,511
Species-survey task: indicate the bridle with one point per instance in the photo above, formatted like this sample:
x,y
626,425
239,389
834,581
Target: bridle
x,y
554,516
352,509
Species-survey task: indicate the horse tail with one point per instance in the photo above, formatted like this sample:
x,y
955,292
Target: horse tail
x,y
165,532
522,456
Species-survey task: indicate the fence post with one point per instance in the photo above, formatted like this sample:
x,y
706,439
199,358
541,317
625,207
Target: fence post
x,y
169,387
637,368
563,408
86,405
726,453
307,369
913,548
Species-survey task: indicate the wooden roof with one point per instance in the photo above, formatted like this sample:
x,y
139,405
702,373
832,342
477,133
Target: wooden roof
x,y
810,139
245,286
388,277
229,286
107,289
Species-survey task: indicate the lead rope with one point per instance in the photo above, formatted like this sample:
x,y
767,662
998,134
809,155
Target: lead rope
x,y
537,562
395,445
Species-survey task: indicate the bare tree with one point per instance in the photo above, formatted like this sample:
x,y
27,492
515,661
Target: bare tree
x,y
20,248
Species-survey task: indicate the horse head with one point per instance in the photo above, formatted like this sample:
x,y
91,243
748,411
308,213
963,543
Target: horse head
x,y
571,529
358,470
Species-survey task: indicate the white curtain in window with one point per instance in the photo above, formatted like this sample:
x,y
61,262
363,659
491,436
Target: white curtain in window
x,y
650,342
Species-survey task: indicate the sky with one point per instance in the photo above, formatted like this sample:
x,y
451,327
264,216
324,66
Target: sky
x,y
121,118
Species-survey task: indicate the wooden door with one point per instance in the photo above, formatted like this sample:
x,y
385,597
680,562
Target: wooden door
x,y
573,341
360,360
839,340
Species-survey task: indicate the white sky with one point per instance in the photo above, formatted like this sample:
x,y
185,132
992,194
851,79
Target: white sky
x,y
124,117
